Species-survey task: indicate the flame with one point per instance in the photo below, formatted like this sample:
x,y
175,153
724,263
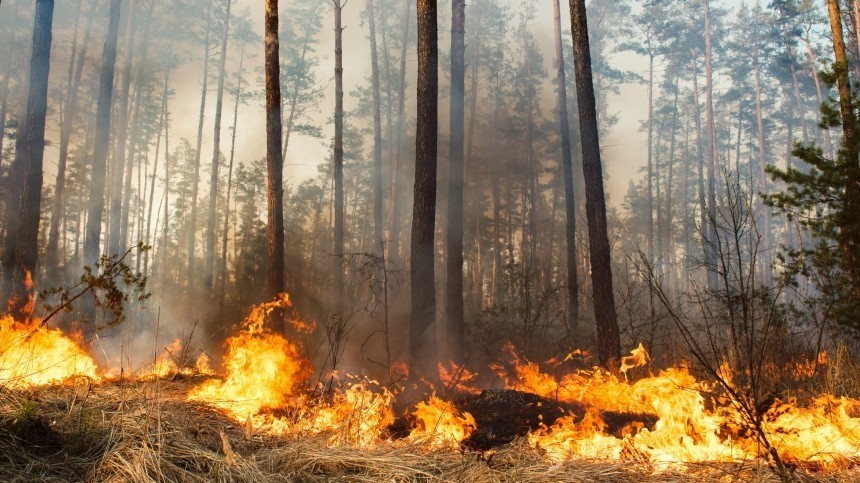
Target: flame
x,y
33,355
458,378
358,416
440,425
688,428
638,357
170,362
262,370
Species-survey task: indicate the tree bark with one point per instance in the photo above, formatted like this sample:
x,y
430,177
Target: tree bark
x,y
377,134
274,162
709,227
608,338
209,267
422,337
23,207
454,294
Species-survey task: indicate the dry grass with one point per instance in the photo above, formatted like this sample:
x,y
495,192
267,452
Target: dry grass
x,y
147,431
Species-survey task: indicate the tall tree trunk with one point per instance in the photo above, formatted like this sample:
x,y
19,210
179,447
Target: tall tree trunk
x,y
762,161
650,181
338,157
377,134
567,171
849,229
195,182
100,147
608,338
119,160
828,145
454,294
24,202
209,269
274,162
396,182
422,337
709,227
222,279
76,67
164,97
4,96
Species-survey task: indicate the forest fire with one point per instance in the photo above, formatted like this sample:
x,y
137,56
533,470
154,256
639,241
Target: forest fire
x,y
32,355
263,387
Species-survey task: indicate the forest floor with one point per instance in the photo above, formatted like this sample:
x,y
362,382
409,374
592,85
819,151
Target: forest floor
x,y
149,431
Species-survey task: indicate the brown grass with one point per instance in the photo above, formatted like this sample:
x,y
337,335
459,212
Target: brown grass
x,y
147,431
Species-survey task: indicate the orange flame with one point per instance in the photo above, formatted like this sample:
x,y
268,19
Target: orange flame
x,y
262,370
32,355
440,425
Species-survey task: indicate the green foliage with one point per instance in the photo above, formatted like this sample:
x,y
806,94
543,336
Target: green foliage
x,y
816,198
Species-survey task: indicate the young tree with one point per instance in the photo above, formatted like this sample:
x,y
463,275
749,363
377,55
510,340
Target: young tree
x,y
422,337
24,202
274,161
608,338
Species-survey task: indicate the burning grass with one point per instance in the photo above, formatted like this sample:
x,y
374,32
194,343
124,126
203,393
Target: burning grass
x,y
258,421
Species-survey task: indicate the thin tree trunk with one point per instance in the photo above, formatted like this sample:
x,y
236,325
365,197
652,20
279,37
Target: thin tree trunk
x,y
608,338
394,195
122,121
828,145
422,337
709,227
274,162
338,158
567,171
377,135
100,147
23,207
165,95
209,268
454,294
195,182
76,67
762,161
222,280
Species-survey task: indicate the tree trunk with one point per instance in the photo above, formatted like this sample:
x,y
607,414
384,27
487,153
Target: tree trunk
x,y
709,227
165,95
76,67
454,293
100,148
608,339
762,161
209,269
849,228
119,160
828,145
338,158
274,162
422,337
195,182
377,135
396,182
23,207
567,171
222,279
